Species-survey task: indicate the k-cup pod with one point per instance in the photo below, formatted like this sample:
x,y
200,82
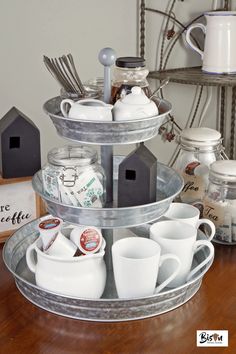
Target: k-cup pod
x,y
48,228
88,239
61,247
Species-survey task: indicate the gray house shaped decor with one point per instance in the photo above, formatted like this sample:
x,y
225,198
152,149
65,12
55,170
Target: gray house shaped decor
x,y
19,145
137,178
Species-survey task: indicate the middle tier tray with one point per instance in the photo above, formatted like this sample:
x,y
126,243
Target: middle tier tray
x,y
169,185
106,133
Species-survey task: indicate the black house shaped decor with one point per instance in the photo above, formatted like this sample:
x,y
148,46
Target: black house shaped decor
x,y
19,145
137,178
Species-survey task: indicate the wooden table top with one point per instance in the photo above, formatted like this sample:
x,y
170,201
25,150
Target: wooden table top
x,y
24,328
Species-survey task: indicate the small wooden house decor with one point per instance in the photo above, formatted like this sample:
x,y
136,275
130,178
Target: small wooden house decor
x,y
19,145
137,178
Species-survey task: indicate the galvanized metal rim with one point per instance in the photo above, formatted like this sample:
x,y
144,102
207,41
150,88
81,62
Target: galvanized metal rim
x,y
100,299
107,122
108,209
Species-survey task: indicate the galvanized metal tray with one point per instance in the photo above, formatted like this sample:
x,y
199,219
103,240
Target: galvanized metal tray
x,y
106,133
169,185
104,309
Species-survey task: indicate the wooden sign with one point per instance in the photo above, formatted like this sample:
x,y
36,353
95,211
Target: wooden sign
x,y
18,205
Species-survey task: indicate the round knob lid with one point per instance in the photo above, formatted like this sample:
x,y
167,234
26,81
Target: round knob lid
x,y
130,62
224,169
200,137
136,97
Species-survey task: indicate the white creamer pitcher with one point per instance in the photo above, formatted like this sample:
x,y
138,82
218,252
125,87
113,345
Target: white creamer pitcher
x,y
87,109
82,276
219,55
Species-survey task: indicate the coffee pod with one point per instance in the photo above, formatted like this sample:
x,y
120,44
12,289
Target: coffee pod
x,y
61,247
48,230
88,239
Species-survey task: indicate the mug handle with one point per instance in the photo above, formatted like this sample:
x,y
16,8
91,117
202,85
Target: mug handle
x,y
206,260
188,38
30,258
164,258
210,224
63,108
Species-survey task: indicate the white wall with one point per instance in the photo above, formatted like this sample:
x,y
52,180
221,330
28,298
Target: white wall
x,y
181,96
31,28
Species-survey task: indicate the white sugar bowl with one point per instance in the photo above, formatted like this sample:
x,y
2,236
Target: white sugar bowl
x,y
135,105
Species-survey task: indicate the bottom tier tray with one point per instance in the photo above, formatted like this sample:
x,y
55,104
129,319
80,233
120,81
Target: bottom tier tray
x,y
104,309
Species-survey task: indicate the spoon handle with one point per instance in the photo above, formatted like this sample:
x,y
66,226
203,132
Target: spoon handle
x,y
163,84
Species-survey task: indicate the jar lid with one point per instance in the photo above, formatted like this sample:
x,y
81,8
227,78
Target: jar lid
x,y
72,155
224,169
130,62
200,137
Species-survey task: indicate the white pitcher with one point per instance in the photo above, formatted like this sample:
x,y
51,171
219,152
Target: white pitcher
x,y
219,55
82,276
87,109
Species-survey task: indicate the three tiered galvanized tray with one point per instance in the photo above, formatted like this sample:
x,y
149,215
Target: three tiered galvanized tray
x,y
169,184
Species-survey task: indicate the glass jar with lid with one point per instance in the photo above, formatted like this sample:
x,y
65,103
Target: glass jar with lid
x,y
128,72
200,147
220,200
73,176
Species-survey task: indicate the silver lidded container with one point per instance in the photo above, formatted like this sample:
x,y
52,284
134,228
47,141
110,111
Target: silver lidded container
x,y
200,147
73,176
220,200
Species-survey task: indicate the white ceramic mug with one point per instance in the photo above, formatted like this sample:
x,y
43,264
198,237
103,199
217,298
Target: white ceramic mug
x,y
136,262
83,276
60,246
189,214
219,54
180,239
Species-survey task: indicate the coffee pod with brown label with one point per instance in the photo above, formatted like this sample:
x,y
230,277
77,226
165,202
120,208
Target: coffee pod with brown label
x,y
88,239
48,229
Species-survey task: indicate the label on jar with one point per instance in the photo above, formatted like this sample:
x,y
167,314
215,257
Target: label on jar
x,y
90,241
86,191
194,176
50,185
219,213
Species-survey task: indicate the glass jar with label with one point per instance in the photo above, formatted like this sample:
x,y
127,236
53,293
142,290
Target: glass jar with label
x,y
128,72
220,200
73,176
200,147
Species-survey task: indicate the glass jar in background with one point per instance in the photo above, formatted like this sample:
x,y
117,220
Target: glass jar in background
x,y
220,200
73,176
96,83
128,72
92,91
200,147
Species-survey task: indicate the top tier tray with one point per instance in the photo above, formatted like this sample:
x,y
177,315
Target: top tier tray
x,y
106,133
